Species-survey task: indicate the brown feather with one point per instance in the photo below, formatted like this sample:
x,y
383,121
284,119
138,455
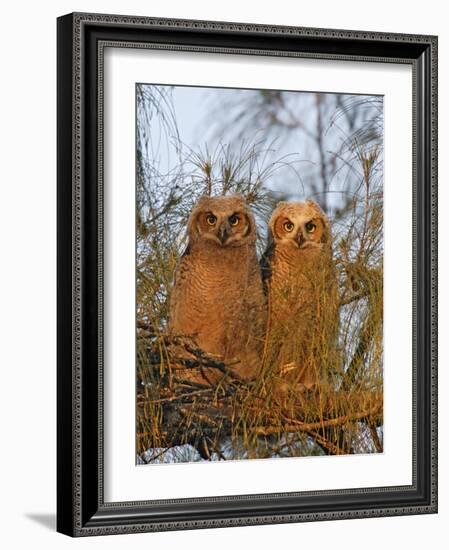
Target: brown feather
x,y
217,298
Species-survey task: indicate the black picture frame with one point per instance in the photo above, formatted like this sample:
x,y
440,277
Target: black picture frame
x,y
81,509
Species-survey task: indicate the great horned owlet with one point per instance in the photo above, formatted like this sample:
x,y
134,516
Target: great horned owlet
x,y
298,272
218,298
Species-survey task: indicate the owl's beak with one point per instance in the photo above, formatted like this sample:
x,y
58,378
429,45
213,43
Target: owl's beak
x,y
223,233
300,238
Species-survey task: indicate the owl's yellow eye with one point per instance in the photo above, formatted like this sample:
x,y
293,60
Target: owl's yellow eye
x,y
234,220
289,226
310,227
211,219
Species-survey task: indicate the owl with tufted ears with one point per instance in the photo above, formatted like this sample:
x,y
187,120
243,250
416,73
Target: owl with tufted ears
x,y
217,298
298,272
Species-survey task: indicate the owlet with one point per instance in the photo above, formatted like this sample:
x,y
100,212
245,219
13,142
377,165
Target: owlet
x,y
298,272
218,299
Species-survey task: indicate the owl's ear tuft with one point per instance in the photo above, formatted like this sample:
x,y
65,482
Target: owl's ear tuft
x,y
313,204
237,196
201,201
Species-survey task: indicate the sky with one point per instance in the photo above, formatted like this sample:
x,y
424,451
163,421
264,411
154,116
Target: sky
x,y
203,119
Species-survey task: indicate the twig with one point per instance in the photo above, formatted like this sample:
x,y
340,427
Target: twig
x,y
181,396
323,442
153,458
354,298
298,426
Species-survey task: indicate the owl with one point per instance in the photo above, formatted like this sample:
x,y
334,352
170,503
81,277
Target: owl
x,y
298,273
218,299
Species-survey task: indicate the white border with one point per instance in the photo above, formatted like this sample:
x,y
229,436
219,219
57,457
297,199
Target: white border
x,y
123,481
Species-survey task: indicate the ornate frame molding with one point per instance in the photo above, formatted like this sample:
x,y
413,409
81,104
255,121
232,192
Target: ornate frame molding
x,y
81,41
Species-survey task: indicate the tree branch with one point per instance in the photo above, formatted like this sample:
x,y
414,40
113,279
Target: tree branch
x,y
297,426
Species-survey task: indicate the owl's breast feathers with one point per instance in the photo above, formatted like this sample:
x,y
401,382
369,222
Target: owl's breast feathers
x,y
285,262
301,288
218,298
210,274
295,277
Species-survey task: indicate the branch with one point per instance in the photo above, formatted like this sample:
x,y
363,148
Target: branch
x,y
297,426
325,443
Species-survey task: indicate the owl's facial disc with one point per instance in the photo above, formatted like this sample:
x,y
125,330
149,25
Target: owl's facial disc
x,y
299,231
224,228
233,229
310,233
299,225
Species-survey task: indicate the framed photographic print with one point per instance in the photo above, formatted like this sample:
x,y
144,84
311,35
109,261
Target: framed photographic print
x,y
247,282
